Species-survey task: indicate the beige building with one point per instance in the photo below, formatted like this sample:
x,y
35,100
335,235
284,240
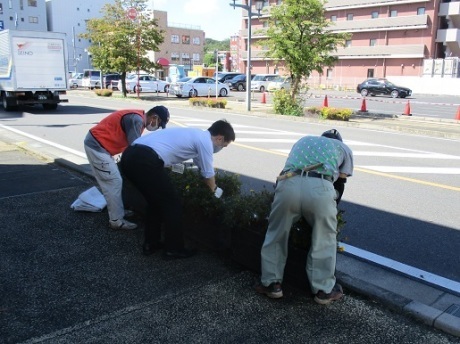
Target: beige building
x,y
183,45
390,38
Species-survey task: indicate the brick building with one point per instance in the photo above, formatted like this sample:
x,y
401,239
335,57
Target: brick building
x,y
390,38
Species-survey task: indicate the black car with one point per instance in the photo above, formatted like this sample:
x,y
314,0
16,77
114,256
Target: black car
x,y
111,81
238,82
382,86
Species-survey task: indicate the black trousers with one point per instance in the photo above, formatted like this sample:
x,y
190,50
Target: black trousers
x,y
142,166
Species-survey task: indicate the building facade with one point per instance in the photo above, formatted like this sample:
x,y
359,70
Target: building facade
x,y
183,45
24,15
390,38
70,17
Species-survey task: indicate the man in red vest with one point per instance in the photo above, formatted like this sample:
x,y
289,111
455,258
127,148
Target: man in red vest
x,y
110,137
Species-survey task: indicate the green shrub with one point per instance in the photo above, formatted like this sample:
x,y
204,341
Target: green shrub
x,y
285,105
331,113
103,92
235,210
208,102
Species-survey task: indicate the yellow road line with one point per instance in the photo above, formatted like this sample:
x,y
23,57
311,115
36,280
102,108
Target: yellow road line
x,y
382,174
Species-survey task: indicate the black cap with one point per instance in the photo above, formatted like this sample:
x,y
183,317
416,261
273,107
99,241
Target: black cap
x,y
333,134
162,112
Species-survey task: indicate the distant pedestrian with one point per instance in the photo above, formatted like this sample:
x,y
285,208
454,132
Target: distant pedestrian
x,y
310,186
110,137
143,164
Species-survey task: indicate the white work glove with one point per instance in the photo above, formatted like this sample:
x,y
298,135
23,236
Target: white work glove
x,y
218,192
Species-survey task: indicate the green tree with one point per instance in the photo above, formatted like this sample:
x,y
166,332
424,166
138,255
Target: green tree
x,y
119,44
298,34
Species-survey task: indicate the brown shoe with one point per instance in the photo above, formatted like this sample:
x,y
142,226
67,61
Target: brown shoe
x,y
324,299
273,291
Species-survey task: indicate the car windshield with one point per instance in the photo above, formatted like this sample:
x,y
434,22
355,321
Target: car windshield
x,y
278,79
238,77
131,76
184,79
258,78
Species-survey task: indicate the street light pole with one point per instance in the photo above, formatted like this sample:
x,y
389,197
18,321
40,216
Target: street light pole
x,y
248,7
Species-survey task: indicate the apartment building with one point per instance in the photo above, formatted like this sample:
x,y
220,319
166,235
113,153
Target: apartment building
x,y
70,17
23,15
183,45
390,38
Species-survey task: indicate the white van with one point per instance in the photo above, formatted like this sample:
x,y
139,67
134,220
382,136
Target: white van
x,y
91,79
260,81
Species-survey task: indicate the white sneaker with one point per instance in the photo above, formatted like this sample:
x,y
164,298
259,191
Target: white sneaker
x,y
122,224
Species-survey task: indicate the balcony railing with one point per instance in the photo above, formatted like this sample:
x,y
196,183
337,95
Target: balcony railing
x,y
333,5
387,23
381,51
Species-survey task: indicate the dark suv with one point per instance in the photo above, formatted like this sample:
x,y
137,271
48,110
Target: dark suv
x,y
111,81
382,86
225,76
238,82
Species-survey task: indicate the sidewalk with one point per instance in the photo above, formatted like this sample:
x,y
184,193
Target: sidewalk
x,y
66,278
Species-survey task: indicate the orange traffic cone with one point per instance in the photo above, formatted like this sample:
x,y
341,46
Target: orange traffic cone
x,y
407,109
264,98
457,117
363,105
325,102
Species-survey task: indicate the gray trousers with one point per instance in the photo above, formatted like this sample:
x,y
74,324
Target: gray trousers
x,y
314,199
108,177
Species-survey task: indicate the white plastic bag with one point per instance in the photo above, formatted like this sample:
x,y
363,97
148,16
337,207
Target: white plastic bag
x,y
90,200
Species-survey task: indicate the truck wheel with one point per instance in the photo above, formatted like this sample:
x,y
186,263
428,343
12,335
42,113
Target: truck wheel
x,y
50,106
6,104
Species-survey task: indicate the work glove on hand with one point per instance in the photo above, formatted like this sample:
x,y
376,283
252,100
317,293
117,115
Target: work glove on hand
x,y
218,192
339,186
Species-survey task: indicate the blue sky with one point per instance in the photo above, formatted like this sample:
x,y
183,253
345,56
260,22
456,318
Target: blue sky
x,y
216,18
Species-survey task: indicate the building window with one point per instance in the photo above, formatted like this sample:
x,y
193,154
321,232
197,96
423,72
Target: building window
x,y
32,3
265,24
196,40
21,4
175,57
196,57
279,2
393,13
10,4
185,39
348,43
333,18
372,42
329,73
374,14
421,10
174,38
185,57
350,16
370,73
33,20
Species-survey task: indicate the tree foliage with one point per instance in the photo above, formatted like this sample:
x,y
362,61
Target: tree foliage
x,y
119,44
298,34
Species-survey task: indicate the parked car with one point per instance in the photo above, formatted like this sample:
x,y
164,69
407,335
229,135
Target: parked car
x,y
280,83
91,79
147,83
260,81
75,80
381,86
226,76
238,82
199,86
111,80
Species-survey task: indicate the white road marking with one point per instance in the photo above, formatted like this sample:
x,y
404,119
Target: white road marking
x,y
413,169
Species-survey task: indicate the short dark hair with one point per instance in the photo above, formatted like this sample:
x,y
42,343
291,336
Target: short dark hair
x,y
222,127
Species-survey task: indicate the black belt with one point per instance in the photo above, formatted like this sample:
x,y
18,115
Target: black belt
x,y
314,175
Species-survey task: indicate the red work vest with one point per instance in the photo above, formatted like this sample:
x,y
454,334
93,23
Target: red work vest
x,y
109,132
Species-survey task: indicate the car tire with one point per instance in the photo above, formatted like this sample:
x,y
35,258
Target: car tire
x,y
223,92
394,94
240,87
193,93
262,89
364,92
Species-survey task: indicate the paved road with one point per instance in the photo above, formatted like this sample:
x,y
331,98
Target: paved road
x,y
66,278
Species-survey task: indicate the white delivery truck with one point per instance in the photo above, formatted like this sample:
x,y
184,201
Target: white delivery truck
x,y
33,68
